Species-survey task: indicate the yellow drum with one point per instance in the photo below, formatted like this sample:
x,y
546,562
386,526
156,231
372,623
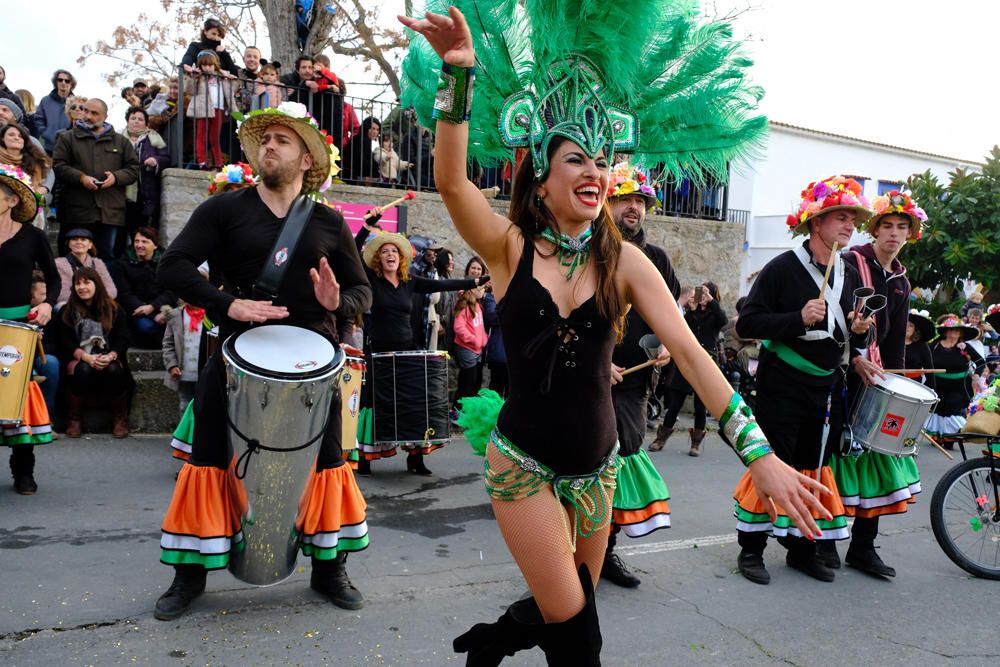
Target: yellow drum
x,y
350,396
18,342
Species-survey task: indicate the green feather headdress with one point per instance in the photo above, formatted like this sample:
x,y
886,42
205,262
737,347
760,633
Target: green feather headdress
x,y
643,77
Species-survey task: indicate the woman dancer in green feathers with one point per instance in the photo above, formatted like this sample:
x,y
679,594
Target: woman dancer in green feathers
x,y
562,275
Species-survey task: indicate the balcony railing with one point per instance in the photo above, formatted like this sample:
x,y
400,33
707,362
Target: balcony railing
x,y
398,154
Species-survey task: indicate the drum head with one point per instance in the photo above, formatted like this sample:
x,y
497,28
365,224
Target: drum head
x,y
897,384
284,351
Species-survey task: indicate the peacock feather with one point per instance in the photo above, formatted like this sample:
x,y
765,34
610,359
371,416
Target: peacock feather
x,y
683,79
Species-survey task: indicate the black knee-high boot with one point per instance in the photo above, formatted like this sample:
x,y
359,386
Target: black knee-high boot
x,y
22,469
489,643
861,555
575,642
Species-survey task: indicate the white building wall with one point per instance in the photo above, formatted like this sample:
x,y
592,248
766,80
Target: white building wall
x,y
769,188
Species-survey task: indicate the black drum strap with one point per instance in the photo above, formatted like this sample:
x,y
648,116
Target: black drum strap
x,y
273,272
254,444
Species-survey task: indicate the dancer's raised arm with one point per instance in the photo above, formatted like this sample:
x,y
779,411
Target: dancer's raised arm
x,y
483,229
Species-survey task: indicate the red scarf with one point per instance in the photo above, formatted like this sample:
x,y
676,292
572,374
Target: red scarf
x,y
196,315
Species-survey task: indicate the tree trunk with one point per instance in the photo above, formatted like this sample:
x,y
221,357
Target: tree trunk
x,y
280,18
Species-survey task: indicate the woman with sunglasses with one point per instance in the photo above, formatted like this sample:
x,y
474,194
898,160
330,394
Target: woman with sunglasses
x,y
50,116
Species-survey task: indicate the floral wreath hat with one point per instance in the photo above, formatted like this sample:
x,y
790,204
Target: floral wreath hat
x,y
629,180
952,322
294,116
232,177
898,203
835,193
14,177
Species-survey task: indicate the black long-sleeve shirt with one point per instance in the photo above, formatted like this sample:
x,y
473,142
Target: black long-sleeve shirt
x,y
918,355
235,232
26,250
388,328
773,311
890,323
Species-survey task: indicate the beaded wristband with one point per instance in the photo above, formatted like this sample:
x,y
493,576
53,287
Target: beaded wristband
x,y
742,432
453,103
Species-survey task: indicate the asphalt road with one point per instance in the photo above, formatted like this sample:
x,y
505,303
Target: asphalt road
x,y
79,574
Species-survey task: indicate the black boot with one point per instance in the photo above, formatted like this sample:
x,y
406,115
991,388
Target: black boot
x,y
614,569
575,642
802,556
827,552
489,643
364,467
861,555
329,577
22,468
189,583
415,464
751,559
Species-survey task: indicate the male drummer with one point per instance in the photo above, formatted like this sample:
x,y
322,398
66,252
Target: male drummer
x,y
640,502
873,484
324,279
807,344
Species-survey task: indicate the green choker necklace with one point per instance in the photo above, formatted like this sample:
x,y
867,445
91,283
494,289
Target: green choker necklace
x,y
574,251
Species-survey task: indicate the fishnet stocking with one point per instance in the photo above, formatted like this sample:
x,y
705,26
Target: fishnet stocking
x,y
537,530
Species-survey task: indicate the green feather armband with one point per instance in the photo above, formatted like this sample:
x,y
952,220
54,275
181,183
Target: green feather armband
x,y
453,103
740,430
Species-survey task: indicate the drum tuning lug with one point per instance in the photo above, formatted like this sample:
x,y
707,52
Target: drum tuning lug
x,y
263,397
5,371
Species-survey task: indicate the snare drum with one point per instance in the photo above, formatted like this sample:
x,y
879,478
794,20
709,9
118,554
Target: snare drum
x,y
281,382
18,342
890,414
350,395
410,397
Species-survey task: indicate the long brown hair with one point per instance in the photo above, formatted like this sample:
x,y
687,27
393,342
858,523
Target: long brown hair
x,y
466,299
102,307
606,245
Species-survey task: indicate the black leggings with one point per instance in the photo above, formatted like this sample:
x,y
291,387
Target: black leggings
x,y
88,381
674,408
469,382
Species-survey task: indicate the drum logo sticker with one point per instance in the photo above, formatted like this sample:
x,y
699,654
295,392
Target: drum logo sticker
x,y
353,402
281,257
892,424
305,365
10,355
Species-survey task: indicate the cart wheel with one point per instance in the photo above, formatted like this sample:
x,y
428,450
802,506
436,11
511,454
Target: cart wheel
x,y
964,517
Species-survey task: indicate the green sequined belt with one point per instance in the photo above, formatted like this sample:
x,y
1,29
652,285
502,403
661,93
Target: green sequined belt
x,y
585,493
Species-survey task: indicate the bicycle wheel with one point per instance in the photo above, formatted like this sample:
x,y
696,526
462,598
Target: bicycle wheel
x,y
963,517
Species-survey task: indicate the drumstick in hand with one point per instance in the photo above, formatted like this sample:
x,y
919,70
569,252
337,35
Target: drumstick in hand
x,y
639,367
829,265
394,203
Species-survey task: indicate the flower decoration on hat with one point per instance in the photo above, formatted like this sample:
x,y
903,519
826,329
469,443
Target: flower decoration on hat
x,y
898,203
628,180
295,116
13,176
831,194
232,176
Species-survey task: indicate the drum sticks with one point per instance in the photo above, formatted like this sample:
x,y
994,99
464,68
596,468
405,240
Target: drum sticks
x,y
935,443
901,371
393,204
639,367
829,265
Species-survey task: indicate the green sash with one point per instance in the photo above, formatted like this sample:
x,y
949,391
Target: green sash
x,y
14,313
794,359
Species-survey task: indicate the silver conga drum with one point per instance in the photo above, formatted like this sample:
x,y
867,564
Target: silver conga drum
x,y
281,383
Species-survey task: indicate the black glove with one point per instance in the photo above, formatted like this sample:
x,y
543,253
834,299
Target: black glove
x,y
373,220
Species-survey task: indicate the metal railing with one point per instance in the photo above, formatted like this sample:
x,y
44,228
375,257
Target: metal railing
x,y
398,154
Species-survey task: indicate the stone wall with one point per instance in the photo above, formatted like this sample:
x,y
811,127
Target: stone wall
x,y
699,249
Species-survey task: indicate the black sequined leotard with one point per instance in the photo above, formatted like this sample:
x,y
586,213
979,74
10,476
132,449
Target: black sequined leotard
x,y
559,409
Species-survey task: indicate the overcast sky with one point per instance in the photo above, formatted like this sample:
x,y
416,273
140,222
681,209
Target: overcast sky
x,y
911,73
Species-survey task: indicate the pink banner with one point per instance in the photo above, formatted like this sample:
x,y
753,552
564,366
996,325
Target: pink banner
x,y
393,220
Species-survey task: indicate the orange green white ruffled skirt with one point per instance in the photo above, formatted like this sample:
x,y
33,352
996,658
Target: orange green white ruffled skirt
x,y
752,516
34,427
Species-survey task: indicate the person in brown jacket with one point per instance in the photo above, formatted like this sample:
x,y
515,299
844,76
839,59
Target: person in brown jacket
x,y
94,164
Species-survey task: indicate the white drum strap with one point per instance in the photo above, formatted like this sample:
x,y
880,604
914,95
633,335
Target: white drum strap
x,y
836,313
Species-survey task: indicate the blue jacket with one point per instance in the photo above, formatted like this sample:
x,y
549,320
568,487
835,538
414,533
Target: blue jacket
x,y
50,119
495,351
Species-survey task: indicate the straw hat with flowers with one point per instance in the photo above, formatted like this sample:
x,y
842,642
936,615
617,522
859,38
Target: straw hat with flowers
x,y
832,194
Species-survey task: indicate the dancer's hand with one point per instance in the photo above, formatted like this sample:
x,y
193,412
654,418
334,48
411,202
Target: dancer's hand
x,y
779,484
245,310
449,36
325,285
662,357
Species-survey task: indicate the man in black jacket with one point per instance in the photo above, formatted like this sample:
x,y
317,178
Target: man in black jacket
x,y
643,507
326,104
809,337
